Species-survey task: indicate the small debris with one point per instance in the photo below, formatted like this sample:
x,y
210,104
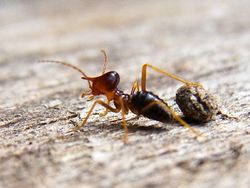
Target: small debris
x,y
196,103
101,157
54,103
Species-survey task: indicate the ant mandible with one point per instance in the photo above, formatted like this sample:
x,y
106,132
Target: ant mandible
x,y
139,101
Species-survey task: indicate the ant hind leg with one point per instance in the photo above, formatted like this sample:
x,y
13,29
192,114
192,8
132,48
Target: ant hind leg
x,y
135,87
173,76
175,116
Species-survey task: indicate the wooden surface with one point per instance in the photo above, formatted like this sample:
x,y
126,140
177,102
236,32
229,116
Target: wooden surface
x,y
205,41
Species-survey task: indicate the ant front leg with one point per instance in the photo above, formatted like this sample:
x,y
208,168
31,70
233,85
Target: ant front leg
x,y
100,102
115,110
106,110
173,76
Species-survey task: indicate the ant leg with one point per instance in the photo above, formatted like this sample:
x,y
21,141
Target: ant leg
x,y
106,111
173,76
123,112
105,61
175,116
135,87
116,110
124,123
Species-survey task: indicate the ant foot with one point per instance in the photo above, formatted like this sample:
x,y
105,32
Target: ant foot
x,y
104,113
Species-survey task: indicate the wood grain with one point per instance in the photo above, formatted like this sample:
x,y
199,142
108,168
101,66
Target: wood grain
x,y
205,41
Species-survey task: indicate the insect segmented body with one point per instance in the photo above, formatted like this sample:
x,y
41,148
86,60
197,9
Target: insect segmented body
x,y
139,101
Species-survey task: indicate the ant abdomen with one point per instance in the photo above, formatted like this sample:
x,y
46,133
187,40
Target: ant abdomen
x,y
150,105
196,103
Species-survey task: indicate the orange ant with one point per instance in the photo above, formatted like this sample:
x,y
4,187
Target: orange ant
x,y
139,101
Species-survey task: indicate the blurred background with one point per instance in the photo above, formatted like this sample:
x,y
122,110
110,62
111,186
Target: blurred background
x,y
177,34
49,28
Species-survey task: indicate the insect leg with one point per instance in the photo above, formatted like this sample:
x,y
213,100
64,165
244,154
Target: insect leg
x,y
175,116
124,123
116,110
106,110
135,87
173,76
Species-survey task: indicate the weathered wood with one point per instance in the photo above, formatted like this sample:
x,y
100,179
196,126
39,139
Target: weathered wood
x,y
205,41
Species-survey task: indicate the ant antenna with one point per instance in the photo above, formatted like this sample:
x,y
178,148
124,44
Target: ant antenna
x,y
68,65
105,61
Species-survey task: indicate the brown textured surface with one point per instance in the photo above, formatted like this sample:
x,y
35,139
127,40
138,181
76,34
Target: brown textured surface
x,y
205,41
196,103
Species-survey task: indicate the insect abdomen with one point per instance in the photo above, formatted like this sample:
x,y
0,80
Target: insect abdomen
x,y
140,105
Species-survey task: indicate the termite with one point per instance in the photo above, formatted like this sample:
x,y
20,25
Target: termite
x,y
140,101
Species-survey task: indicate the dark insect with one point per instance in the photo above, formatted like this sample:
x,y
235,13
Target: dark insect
x,y
196,103
139,101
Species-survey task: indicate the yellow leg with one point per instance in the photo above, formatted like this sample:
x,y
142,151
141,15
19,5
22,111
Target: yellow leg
x,y
173,76
124,123
105,112
175,116
116,110
135,87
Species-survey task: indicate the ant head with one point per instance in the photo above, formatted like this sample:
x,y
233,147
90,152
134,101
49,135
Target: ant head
x,y
107,83
104,84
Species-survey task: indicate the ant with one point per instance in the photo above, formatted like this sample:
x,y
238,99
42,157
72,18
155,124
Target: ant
x,y
139,101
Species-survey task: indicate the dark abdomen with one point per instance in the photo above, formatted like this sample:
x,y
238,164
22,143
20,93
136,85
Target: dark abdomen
x,y
140,105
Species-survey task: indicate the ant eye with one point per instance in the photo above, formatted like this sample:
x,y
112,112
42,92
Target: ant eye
x,y
105,83
114,79
110,80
